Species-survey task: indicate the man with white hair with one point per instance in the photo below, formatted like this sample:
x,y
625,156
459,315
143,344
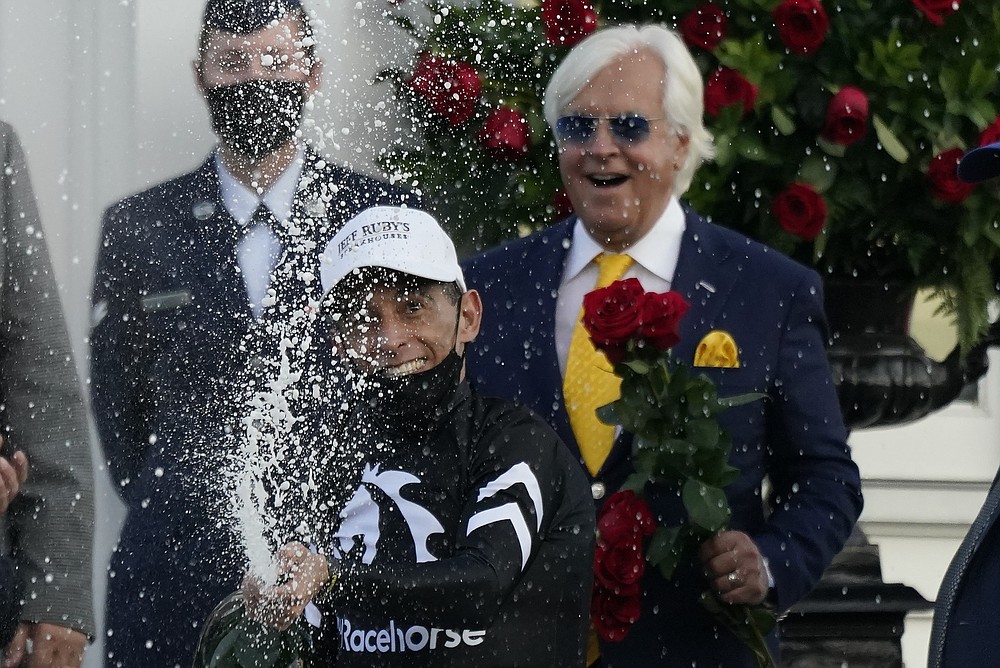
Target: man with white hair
x,y
626,109
461,532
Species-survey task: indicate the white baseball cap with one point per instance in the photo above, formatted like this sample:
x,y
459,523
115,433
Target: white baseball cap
x,y
406,240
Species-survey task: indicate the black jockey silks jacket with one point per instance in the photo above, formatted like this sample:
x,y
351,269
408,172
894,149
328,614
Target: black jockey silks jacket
x,y
468,542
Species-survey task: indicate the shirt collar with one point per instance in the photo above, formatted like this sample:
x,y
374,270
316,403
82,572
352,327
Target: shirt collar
x,y
659,249
648,251
241,202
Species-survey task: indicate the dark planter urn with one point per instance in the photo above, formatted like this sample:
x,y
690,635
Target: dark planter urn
x,y
883,376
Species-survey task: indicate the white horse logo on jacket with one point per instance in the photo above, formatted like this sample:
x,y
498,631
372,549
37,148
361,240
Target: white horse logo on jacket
x,y
360,517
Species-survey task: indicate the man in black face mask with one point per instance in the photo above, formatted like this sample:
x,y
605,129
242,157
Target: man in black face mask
x,y
461,533
256,77
186,271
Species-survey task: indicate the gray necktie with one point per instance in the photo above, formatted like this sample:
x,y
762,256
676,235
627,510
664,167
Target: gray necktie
x,y
296,258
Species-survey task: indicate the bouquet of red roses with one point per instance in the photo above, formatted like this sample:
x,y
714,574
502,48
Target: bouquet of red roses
x,y
677,443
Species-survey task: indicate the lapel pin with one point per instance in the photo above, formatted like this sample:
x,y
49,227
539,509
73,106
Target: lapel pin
x,y
707,286
316,209
203,210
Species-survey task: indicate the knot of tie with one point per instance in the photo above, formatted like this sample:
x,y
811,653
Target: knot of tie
x,y
611,267
263,216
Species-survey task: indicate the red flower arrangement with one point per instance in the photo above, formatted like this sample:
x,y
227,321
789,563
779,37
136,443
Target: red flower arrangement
x,y
802,25
856,103
568,21
846,116
991,134
561,205
728,87
943,180
704,26
936,10
800,210
505,134
451,88
677,444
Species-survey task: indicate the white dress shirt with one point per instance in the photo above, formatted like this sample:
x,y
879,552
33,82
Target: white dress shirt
x,y
654,263
259,250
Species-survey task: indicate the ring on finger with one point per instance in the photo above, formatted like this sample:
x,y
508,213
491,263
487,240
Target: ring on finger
x,y
734,579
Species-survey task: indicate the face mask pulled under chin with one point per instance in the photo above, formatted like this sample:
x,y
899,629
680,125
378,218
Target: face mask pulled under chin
x,y
255,118
413,400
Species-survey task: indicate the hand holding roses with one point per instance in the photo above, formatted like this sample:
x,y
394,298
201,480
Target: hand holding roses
x,y
735,568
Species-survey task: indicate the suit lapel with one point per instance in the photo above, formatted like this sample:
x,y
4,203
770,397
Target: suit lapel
x,y
705,277
546,260
208,221
947,594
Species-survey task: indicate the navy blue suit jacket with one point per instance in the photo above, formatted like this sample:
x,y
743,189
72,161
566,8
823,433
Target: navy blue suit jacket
x,y
795,438
170,311
966,630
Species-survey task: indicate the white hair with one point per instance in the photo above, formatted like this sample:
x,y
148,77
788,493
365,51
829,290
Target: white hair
x,y
683,96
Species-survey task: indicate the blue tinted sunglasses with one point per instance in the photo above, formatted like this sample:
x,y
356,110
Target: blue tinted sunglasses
x,y
628,128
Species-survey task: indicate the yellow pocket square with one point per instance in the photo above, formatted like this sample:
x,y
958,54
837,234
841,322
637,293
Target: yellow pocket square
x,y
717,349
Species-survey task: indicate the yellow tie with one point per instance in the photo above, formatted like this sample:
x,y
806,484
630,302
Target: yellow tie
x,y
590,382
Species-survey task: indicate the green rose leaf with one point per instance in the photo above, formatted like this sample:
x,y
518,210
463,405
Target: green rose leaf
x,y
703,433
741,399
819,172
665,549
728,475
707,506
765,620
644,463
698,402
635,482
639,366
783,123
889,141
608,414
831,148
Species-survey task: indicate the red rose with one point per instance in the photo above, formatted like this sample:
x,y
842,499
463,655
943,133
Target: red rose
x,y
619,567
704,26
802,24
846,116
561,205
568,21
936,10
800,211
726,87
611,316
613,615
505,134
944,182
451,88
659,318
991,134
623,516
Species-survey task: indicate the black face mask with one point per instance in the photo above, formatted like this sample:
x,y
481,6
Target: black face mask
x,y
255,118
414,401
